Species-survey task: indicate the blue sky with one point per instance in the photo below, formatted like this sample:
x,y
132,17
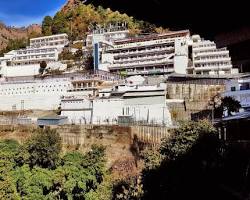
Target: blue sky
x,y
25,12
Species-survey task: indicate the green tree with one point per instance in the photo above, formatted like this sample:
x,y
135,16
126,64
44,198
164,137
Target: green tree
x,y
60,24
43,149
9,148
80,175
47,25
14,44
189,164
228,104
184,137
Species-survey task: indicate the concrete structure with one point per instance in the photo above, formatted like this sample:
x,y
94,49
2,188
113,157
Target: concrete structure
x,y
239,89
208,59
44,93
51,120
26,62
56,41
101,36
140,102
150,54
106,34
166,53
193,96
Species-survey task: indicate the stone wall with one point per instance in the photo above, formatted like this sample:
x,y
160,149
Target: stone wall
x,y
198,98
116,139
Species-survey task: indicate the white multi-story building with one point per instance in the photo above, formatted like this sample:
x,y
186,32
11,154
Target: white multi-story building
x,y
102,36
26,62
34,56
175,51
57,41
106,35
154,53
208,59
239,89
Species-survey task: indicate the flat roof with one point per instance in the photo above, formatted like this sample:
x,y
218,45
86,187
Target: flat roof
x,y
151,37
50,36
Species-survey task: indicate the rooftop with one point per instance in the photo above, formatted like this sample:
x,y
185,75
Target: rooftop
x,y
153,37
50,36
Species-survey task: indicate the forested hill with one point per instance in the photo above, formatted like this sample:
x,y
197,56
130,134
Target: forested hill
x,y
75,18
11,33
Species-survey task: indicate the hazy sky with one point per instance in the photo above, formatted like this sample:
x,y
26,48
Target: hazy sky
x,y
25,12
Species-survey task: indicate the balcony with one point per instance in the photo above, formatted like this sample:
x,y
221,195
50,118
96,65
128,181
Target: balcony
x,y
213,67
142,44
150,71
147,51
121,61
142,63
213,60
212,52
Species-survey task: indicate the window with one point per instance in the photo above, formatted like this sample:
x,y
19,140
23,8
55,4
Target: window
x,y
233,88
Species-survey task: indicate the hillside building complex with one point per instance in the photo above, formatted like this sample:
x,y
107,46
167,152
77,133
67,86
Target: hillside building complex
x,y
26,62
174,51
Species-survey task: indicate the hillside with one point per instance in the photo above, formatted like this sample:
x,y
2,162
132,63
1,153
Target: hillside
x,y
76,18
12,33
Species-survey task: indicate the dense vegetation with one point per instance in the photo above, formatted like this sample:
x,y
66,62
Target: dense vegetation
x,y
14,44
192,164
38,170
76,21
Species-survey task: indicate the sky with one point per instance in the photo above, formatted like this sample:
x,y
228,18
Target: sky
x,y
25,12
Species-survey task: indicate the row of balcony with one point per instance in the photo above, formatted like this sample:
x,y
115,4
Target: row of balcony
x,y
201,49
129,60
62,38
19,58
141,44
214,67
136,52
211,52
141,63
35,52
213,60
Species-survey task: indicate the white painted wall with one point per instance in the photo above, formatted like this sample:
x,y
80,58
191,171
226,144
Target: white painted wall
x,y
21,70
181,56
106,111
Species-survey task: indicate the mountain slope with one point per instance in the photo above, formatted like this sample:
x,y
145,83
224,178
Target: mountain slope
x,y
12,33
75,19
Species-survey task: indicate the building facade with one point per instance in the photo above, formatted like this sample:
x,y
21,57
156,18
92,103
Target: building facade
x,y
166,53
57,41
239,89
26,62
150,54
101,36
207,59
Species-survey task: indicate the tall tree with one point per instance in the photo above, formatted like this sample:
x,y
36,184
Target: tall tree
x,y
46,25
